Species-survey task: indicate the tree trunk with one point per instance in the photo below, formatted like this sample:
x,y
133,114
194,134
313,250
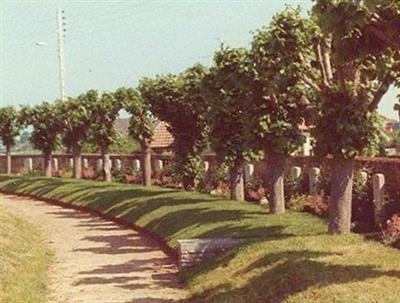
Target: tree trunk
x,y
77,156
106,163
8,159
47,157
340,198
275,176
237,182
146,163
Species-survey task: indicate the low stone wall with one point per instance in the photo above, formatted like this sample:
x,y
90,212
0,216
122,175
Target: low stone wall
x,y
193,251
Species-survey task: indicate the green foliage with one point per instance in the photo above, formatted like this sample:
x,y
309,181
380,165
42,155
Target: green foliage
x,y
141,122
44,119
357,66
280,53
176,99
105,110
76,117
10,125
226,88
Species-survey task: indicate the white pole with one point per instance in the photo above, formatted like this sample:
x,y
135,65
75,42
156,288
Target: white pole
x,y
61,31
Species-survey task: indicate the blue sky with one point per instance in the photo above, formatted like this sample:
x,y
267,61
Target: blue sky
x,y
110,44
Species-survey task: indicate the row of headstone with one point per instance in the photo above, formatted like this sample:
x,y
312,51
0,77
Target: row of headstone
x,y
314,174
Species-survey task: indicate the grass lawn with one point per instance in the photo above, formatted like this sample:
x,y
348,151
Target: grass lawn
x,y
24,261
286,258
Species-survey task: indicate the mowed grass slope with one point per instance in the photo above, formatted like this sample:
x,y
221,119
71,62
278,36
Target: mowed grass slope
x,y
24,261
286,258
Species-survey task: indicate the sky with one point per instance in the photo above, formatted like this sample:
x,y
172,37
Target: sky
x,y
109,44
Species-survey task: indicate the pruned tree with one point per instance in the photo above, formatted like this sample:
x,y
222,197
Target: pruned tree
x,y
103,132
226,90
356,67
141,125
176,99
10,127
45,136
277,108
76,117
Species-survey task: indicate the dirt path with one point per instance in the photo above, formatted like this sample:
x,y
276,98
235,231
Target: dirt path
x,y
97,260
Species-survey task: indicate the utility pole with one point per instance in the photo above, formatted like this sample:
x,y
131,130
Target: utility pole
x,y
61,36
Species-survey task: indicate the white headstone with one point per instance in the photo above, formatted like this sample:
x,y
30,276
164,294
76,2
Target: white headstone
x,y
28,164
296,172
85,163
136,165
55,164
99,164
71,163
158,165
206,166
249,172
378,188
314,175
364,177
118,164
307,145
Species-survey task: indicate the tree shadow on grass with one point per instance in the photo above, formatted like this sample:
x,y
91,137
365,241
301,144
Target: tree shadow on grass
x,y
288,273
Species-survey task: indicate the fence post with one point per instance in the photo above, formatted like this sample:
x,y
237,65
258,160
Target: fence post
x,y
378,184
314,175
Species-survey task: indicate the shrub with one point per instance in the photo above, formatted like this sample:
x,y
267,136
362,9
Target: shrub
x,y
214,178
317,205
391,234
297,202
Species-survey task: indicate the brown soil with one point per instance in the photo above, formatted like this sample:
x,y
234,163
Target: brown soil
x,y
97,260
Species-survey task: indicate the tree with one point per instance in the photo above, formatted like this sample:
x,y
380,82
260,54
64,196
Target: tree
x,y
9,128
44,119
105,111
278,105
141,126
76,117
226,88
176,99
355,72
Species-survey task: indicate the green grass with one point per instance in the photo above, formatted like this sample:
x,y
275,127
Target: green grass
x,y
24,261
286,258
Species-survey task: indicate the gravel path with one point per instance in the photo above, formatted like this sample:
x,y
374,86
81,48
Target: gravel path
x,y
98,260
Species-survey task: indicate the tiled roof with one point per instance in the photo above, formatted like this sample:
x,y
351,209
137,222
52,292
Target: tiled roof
x,y
162,137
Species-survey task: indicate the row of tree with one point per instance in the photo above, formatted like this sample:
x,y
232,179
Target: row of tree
x,y
329,70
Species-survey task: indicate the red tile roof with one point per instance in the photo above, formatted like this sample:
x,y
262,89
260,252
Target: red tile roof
x,y
162,137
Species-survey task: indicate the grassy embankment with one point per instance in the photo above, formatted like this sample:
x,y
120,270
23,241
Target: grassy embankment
x,y
287,258
24,261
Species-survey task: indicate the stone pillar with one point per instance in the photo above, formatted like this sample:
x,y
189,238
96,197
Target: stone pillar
x,y
249,172
314,175
85,163
136,165
295,172
307,145
118,164
55,164
99,164
158,165
378,184
28,163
